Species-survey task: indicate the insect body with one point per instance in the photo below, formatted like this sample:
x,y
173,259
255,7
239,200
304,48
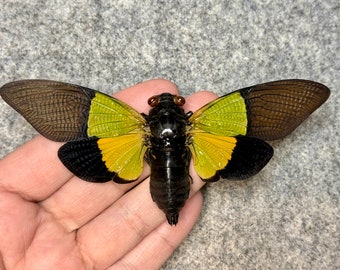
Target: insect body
x,y
169,179
108,140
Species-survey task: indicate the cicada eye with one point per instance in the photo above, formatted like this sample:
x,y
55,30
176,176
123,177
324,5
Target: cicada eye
x,y
153,101
180,101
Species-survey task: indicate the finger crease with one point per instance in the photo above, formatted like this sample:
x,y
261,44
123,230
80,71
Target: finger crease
x,y
135,221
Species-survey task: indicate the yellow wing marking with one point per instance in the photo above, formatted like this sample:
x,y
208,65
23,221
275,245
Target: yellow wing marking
x,y
124,155
211,153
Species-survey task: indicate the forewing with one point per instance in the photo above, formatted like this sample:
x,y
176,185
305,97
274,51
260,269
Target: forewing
x,y
62,112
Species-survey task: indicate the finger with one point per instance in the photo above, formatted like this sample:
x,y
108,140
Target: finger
x,y
198,100
129,220
77,202
158,246
33,170
137,96
122,226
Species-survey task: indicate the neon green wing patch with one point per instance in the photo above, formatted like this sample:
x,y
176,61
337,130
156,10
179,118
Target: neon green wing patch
x,y
109,117
225,116
123,155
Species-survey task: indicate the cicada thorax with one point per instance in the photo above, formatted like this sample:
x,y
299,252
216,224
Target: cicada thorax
x,y
168,155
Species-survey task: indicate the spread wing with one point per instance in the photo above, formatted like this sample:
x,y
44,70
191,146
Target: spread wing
x,y
104,135
227,134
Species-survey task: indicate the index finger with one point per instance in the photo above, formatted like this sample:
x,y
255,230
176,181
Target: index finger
x,y
34,170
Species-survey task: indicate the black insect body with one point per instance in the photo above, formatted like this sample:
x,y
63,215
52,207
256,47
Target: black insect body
x,y
168,155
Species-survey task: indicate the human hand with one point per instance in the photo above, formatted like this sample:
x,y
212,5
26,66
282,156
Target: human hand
x,y
50,219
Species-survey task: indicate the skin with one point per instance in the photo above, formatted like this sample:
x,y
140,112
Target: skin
x,y
51,219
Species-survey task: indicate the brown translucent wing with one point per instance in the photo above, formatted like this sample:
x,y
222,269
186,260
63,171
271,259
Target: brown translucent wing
x,y
57,110
276,108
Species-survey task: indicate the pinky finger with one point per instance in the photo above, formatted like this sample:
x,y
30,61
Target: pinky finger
x,y
159,245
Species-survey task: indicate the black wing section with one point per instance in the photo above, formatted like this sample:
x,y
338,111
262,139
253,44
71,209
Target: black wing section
x,y
275,109
248,158
59,111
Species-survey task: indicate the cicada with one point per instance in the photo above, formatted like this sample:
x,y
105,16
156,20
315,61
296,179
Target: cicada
x,y
107,139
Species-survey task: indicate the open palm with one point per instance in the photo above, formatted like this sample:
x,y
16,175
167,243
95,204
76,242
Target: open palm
x,y
50,219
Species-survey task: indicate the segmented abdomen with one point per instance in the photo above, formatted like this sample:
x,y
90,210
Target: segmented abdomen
x,y
170,181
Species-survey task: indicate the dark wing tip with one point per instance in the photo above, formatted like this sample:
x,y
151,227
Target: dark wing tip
x,y
249,157
276,108
56,110
83,159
